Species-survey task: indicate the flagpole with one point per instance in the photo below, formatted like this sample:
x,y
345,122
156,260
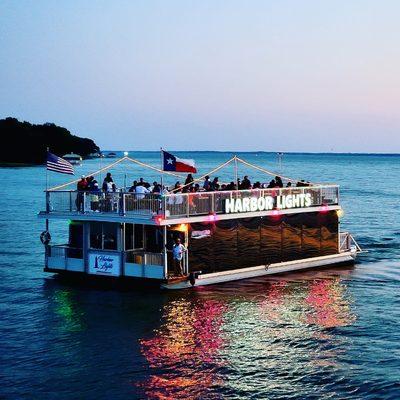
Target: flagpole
x,y
47,194
236,172
162,168
101,167
47,171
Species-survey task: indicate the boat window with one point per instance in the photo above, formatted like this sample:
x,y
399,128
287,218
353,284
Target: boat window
x,y
138,237
110,236
103,236
76,235
128,236
154,239
96,234
133,236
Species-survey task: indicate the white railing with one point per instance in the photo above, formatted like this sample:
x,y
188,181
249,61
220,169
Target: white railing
x,y
201,203
144,258
175,205
141,204
64,251
93,202
348,243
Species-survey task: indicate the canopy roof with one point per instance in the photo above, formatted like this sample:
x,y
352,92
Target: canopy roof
x,y
234,160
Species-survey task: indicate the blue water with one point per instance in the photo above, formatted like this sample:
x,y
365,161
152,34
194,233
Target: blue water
x,y
331,333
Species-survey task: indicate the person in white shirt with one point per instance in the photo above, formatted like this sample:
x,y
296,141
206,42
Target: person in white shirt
x,y
109,187
141,191
178,251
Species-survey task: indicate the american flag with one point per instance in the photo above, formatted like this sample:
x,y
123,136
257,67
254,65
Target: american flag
x,y
58,164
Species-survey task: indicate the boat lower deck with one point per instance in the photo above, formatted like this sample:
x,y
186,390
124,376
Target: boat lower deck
x,y
195,280
262,270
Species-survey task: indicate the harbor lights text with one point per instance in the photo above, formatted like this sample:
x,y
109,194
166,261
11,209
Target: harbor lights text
x,y
253,204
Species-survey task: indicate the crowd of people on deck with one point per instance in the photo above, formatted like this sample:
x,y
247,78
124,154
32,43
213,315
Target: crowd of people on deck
x,y
141,187
107,196
90,184
213,185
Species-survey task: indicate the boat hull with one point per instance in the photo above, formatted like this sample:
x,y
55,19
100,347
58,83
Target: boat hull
x,y
125,282
345,258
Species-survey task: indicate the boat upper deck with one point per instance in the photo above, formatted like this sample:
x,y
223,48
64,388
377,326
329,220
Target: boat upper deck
x,y
172,208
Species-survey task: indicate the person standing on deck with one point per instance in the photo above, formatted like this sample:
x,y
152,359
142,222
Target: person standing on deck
x,y
132,189
141,192
82,184
81,187
207,183
178,250
107,180
189,181
214,184
246,184
278,181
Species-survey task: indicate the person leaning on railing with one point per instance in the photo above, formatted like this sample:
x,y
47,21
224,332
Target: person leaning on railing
x,y
141,191
133,187
303,183
189,181
95,194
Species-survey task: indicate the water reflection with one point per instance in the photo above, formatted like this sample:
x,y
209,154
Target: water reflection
x,y
184,352
68,309
233,339
328,304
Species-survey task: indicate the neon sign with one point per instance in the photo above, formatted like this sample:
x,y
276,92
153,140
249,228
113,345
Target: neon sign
x,y
254,204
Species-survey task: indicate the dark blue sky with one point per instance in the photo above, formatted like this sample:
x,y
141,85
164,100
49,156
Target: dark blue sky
x,y
299,75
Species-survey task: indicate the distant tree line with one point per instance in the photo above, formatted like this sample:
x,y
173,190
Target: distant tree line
x,y
26,143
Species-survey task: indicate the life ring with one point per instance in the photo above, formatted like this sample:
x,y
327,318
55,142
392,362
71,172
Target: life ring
x,y
45,237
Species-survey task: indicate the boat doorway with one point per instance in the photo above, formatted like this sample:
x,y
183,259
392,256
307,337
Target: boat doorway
x,y
173,233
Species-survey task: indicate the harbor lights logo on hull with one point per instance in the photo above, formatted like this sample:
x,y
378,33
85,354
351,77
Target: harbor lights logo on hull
x,y
266,203
104,264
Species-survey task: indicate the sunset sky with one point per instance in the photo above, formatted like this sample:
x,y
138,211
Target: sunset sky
x,y
288,75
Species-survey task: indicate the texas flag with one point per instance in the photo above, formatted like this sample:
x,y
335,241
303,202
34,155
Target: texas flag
x,y
172,163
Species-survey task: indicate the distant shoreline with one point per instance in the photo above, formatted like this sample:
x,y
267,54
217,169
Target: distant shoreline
x,y
16,164
155,152
258,152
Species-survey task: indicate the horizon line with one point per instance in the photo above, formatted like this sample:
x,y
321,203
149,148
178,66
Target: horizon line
x,y
259,152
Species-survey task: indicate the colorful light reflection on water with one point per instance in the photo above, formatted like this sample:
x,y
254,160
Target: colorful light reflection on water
x,y
184,349
224,339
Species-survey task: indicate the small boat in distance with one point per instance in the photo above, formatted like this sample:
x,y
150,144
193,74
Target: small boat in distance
x,y
94,155
110,155
74,159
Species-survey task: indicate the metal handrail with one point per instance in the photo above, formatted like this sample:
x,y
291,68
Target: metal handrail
x,y
346,241
154,258
189,193
254,190
63,250
172,204
188,204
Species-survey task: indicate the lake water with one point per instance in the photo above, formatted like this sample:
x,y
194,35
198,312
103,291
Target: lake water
x,y
331,333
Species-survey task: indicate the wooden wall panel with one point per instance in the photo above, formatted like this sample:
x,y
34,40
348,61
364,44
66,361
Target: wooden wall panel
x,y
291,237
225,239
311,236
271,240
258,241
249,242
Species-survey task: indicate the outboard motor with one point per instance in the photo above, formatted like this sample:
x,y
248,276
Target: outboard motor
x,y
193,276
